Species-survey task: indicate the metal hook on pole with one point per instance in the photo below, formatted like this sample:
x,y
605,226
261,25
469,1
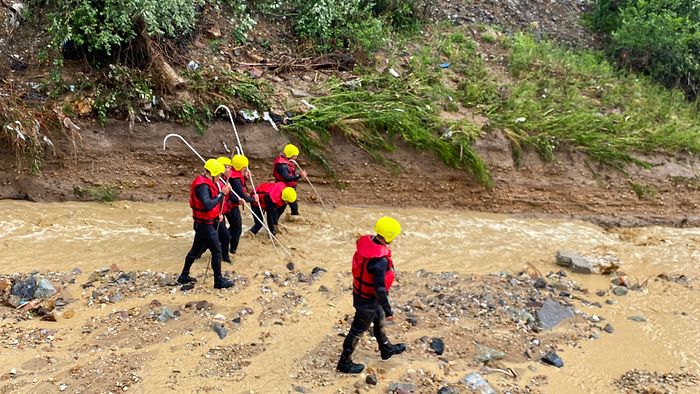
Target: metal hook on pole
x,y
186,143
310,184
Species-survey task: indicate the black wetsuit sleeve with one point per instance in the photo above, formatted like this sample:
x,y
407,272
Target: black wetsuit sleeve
x,y
237,187
378,268
206,198
283,170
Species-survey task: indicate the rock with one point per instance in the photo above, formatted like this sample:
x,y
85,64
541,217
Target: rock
x,y
166,314
523,315
402,387
25,288
13,371
290,266
620,291
576,263
236,320
187,287
45,289
371,379
412,320
307,78
609,328
487,354
394,73
552,313
255,72
62,387
638,319
540,283
202,305
114,268
14,301
220,330
323,289
116,297
317,271
214,32
551,358
77,271
477,383
49,317
438,346
600,293
594,319
300,389
610,302
219,316
299,93
447,390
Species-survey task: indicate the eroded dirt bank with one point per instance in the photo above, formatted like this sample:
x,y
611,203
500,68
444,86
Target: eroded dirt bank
x,y
476,282
571,186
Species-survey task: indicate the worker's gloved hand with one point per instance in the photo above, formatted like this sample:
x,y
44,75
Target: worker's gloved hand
x,y
226,190
303,174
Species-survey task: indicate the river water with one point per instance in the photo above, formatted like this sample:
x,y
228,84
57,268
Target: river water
x,y
141,236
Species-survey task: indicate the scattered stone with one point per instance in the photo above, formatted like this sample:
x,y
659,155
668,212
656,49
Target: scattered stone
x,y
412,320
255,72
487,354
609,328
477,383
552,313
576,263
317,271
290,266
323,289
610,302
62,387
187,287
447,390
438,346
638,319
551,358
402,387
595,319
620,291
371,379
116,297
219,316
45,289
166,314
299,93
202,305
13,371
301,389
523,315
236,320
25,288
600,293
214,32
220,330
540,283
77,271
394,73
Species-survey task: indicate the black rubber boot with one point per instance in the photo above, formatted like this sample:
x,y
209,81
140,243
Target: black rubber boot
x,y
345,364
184,279
387,349
222,283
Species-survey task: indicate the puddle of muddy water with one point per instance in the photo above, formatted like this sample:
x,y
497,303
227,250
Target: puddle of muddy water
x,y
138,236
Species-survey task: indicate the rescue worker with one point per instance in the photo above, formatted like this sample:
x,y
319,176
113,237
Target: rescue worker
x,y
224,237
271,197
373,274
206,202
284,170
236,179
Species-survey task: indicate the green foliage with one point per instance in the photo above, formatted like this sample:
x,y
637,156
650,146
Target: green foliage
x,y
658,37
119,90
102,25
581,100
643,192
106,193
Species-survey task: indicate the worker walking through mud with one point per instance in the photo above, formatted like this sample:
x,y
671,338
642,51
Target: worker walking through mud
x,y
284,170
237,180
206,201
373,275
272,197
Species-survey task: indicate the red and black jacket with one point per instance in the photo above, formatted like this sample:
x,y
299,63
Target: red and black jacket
x,y
290,166
272,190
199,214
363,281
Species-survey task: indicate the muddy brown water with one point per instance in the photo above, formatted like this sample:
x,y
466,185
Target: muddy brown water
x,y
141,236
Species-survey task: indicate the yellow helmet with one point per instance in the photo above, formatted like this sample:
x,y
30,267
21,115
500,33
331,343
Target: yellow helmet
x,y
214,167
224,160
388,228
238,162
289,195
290,150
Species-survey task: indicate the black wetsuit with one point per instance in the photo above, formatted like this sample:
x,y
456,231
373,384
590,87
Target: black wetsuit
x,y
234,215
272,212
205,234
283,170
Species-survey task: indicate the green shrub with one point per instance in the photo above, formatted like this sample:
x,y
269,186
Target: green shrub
x,y
658,37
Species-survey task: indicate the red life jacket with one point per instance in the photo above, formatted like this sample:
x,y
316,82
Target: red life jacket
x,y
198,212
233,200
274,190
292,170
225,204
363,281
